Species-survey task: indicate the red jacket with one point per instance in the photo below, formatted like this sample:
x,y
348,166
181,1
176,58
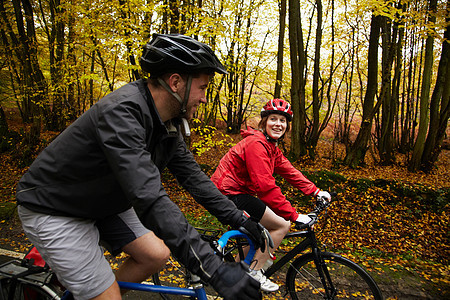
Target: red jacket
x,y
248,168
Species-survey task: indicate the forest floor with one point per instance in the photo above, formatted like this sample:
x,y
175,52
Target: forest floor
x,y
392,222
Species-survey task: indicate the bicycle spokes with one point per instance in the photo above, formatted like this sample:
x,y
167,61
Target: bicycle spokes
x,y
334,278
313,281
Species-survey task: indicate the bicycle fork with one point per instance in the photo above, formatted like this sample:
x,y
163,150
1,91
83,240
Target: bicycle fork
x,y
322,269
198,287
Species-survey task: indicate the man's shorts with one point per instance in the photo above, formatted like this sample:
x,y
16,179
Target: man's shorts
x,y
71,248
252,205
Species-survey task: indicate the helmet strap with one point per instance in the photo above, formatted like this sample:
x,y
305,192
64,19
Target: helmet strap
x,y
183,103
186,95
269,138
167,88
176,95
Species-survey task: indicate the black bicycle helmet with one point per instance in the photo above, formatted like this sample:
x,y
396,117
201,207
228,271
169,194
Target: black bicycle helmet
x,y
178,53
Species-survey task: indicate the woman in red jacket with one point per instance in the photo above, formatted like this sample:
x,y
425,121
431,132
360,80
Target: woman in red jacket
x,y
245,175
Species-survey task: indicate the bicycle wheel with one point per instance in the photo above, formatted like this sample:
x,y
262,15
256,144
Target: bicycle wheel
x,y
26,291
350,281
172,274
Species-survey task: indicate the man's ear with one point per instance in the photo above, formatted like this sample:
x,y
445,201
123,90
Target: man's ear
x,y
175,82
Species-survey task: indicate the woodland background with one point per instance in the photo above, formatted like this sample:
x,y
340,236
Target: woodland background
x,y
369,82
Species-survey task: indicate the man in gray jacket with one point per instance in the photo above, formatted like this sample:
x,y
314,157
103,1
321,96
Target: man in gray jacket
x,y
100,180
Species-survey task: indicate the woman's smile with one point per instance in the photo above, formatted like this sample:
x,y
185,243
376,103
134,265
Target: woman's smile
x,y
276,126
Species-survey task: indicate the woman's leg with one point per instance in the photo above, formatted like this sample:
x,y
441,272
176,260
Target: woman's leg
x,y
278,227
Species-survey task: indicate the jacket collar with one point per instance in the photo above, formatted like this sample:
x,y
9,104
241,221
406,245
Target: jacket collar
x,y
254,132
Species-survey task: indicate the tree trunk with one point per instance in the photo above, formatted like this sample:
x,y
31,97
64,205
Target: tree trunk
x,y
438,121
415,163
385,143
74,108
54,115
357,151
298,63
280,54
397,78
123,14
33,83
174,16
3,124
316,104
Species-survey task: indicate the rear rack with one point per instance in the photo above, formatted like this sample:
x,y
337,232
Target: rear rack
x,y
34,274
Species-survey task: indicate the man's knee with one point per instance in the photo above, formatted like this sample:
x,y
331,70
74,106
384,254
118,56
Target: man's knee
x,y
148,248
163,254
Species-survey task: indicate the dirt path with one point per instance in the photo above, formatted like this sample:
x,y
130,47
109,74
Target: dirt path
x,y
395,284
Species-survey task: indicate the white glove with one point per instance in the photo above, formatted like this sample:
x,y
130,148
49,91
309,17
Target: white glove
x,y
305,219
324,194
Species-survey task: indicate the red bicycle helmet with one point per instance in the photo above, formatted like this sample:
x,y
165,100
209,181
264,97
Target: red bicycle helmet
x,y
277,106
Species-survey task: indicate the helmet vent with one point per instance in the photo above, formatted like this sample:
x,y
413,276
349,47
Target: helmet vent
x,y
184,57
189,45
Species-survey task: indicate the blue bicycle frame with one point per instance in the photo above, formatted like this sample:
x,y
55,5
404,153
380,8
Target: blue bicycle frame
x,y
198,291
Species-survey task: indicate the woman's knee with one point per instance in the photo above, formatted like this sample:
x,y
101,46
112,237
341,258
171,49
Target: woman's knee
x,y
273,222
285,226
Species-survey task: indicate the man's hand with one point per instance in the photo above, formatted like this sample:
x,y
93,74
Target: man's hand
x,y
254,231
232,281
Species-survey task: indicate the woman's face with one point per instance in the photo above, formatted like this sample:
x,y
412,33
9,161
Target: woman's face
x,y
276,126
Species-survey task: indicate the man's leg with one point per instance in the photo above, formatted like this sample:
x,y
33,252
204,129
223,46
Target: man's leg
x,y
70,247
148,254
111,293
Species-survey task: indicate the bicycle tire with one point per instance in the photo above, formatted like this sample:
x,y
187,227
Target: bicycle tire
x,y
25,290
172,274
350,280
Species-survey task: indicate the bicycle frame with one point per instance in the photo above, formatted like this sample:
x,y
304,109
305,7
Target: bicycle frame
x,y
299,248
308,241
197,291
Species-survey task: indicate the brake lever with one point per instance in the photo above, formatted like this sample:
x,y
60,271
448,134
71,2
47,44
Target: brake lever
x,y
269,242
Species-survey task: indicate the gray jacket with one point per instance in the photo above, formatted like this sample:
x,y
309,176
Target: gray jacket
x,y
111,158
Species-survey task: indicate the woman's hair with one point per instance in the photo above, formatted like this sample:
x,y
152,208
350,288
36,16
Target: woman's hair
x,y
262,125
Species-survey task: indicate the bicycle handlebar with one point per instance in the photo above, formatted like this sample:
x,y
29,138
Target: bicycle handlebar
x,y
222,242
321,204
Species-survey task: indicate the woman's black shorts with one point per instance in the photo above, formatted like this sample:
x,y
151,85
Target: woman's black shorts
x,y
252,205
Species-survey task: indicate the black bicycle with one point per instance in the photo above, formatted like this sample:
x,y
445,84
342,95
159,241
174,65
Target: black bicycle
x,y
314,274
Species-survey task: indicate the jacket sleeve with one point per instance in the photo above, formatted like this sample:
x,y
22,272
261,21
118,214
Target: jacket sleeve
x,y
189,174
122,136
284,168
259,167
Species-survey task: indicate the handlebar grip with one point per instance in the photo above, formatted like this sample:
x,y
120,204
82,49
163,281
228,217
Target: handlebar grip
x,y
237,234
